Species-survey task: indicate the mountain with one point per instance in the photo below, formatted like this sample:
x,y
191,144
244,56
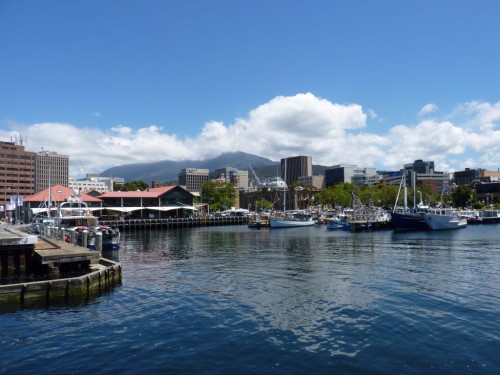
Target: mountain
x,y
167,170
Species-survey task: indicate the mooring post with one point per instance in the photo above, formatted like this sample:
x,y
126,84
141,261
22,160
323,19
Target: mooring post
x,y
98,243
85,239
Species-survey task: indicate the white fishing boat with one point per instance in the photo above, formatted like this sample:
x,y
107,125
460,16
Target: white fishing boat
x,y
292,219
444,218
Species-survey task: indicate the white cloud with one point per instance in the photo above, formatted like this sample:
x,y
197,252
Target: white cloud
x,y
373,115
96,114
286,126
428,108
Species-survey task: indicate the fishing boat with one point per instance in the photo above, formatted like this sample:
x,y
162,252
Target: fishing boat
x,y
339,222
292,219
409,219
444,218
258,221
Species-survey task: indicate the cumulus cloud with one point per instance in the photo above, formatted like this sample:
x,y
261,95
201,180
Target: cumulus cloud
x,y
303,124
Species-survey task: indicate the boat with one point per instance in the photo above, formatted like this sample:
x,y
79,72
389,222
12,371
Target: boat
x,y
409,219
472,216
257,221
339,222
444,218
490,216
292,219
412,219
110,238
75,215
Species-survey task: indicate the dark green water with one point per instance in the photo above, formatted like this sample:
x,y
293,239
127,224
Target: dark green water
x,y
231,300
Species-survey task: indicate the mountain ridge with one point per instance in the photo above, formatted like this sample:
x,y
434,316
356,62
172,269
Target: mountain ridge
x,y
168,170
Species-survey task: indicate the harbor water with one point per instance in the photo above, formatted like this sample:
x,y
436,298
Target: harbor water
x,y
234,300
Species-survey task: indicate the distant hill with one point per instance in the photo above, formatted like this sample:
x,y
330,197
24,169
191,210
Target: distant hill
x,y
167,170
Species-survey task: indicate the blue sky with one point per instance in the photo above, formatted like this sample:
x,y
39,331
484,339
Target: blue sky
x,y
373,83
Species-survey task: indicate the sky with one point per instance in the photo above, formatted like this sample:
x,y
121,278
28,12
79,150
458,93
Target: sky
x,y
373,83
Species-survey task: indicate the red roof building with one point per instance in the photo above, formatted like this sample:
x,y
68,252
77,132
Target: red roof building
x,y
152,203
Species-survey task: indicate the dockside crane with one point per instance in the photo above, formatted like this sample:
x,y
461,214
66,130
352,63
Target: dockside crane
x,y
259,184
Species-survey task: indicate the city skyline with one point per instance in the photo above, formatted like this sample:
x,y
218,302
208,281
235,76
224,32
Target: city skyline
x,y
374,84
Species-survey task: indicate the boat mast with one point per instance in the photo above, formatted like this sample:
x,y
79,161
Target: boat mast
x,y
414,185
50,201
405,189
284,189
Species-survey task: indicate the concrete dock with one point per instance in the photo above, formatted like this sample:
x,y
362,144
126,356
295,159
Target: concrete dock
x,y
25,255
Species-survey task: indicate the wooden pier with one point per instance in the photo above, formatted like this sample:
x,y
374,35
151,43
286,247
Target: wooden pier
x,y
203,221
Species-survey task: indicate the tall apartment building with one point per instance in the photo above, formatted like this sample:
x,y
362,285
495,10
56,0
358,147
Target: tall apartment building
x,y
193,178
349,173
51,169
294,167
17,176
235,176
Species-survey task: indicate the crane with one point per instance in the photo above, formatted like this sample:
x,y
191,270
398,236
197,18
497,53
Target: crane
x,y
259,184
84,171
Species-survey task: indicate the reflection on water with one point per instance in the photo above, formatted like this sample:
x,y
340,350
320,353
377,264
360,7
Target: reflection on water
x,y
305,300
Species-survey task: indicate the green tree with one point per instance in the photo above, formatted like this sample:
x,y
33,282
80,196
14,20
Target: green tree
x,y
325,197
134,186
462,196
220,196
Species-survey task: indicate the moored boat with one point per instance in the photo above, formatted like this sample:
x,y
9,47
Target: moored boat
x,y
409,219
472,216
444,218
75,215
258,221
292,219
490,216
339,222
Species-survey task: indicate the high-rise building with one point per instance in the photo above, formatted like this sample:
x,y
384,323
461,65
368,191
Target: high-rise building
x,y
51,169
17,176
235,176
349,173
420,166
294,167
193,178
422,173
